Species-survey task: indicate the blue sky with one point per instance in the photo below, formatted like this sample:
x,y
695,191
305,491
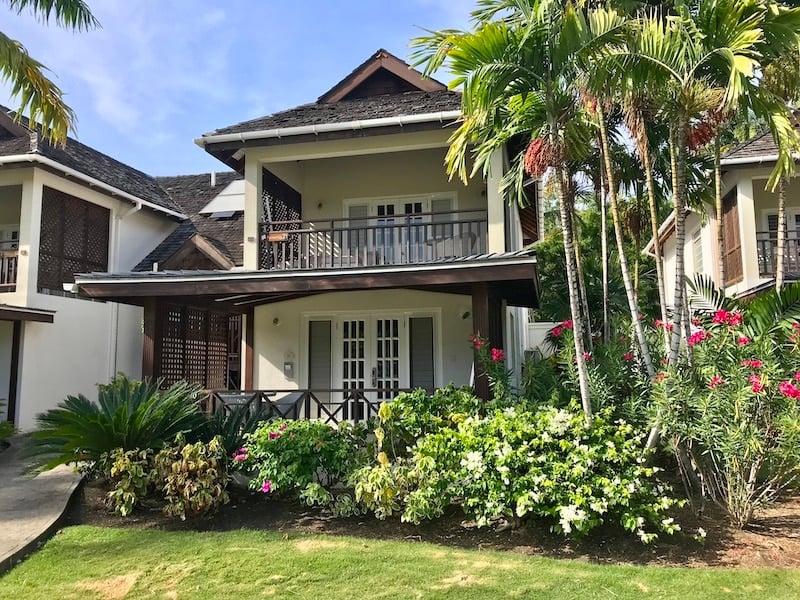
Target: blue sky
x,y
159,73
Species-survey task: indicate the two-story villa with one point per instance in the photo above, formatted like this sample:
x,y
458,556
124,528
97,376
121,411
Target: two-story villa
x,y
365,268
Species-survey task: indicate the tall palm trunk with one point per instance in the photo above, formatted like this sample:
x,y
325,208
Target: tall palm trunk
x,y
647,163
678,152
574,301
719,214
780,263
599,188
623,261
579,266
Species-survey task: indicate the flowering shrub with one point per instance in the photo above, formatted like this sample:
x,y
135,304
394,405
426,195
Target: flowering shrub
x,y
516,463
732,412
492,362
303,457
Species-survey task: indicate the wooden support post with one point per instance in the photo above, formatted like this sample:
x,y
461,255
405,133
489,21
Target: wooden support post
x,y
487,322
16,345
151,345
248,337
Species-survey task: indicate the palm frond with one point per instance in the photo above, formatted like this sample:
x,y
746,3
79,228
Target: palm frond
x,y
68,13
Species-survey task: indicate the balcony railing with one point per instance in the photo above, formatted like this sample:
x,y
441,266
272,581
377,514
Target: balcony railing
x,y
8,266
370,241
767,248
331,406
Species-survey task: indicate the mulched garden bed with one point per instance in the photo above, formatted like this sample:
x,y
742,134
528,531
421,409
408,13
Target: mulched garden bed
x,y
772,541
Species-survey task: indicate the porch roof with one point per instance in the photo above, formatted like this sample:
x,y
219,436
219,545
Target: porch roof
x,y
513,276
25,313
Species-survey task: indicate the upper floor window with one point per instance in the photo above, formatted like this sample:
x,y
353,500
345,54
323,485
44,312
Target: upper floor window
x,y
74,239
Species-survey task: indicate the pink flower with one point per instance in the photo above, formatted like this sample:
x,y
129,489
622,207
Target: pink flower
x,y
735,319
274,434
795,325
557,331
498,355
721,316
715,381
587,356
755,364
789,390
566,324
696,322
267,487
797,376
669,327
697,337
743,340
758,385
627,356
477,342
239,457
282,427
661,376
658,323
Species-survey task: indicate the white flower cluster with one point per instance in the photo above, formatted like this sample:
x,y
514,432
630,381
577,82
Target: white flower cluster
x,y
473,462
570,515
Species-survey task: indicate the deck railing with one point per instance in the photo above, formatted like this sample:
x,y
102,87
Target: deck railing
x,y
767,248
371,241
331,406
8,266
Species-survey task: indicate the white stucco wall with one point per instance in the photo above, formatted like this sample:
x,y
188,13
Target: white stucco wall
x,y
6,333
88,342
275,344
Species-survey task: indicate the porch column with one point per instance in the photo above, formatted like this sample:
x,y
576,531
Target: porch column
x,y
248,337
487,322
496,203
253,214
151,344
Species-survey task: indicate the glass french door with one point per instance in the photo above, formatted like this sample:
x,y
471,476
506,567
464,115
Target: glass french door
x,y
371,357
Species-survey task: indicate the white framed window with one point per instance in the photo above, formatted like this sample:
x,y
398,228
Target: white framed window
x,y
697,250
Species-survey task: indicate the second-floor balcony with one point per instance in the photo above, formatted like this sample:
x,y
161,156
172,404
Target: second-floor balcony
x,y
767,248
372,241
8,266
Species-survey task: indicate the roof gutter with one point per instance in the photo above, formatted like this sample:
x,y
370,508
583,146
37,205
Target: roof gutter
x,y
244,136
749,160
91,181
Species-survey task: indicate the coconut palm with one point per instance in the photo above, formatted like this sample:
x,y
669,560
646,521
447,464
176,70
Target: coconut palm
x,y
39,97
517,68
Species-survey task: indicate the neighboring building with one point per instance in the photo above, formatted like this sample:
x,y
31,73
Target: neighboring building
x,y
750,225
364,267
67,210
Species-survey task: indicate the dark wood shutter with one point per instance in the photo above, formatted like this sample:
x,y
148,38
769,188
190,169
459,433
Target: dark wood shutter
x,y
74,239
732,256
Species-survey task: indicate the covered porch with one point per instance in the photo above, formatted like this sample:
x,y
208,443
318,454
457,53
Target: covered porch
x,y
329,343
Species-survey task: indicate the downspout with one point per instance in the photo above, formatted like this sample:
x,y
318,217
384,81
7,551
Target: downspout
x,y
113,340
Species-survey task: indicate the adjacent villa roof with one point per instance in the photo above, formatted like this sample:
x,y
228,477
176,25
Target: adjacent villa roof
x,y
758,149
218,235
382,95
21,144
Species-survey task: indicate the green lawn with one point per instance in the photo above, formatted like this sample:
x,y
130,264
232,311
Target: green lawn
x,y
91,562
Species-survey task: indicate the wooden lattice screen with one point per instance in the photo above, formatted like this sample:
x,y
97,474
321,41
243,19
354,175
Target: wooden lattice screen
x,y
281,202
74,239
194,346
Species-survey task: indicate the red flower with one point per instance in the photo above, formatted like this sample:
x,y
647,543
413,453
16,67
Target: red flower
x,y
627,356
715,381
477,342
567,324
743,340
755,364
697,337
735,319
790,390
721,316
556,331
797,376
696,322
587,356
498,355
758,385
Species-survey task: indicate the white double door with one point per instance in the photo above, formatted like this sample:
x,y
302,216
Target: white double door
x,y
372,355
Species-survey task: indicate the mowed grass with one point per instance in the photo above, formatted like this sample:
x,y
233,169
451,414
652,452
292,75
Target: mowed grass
x,y
91,562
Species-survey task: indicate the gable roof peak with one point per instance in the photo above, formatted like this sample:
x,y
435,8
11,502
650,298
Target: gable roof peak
x,y
382,73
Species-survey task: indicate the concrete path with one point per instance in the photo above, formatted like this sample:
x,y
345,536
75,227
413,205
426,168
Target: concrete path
x,y
30,507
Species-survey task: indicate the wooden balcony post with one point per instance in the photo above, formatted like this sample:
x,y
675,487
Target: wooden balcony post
x,y
248,338
487,322
151,345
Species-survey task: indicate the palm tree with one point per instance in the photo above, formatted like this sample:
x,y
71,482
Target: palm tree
x,y
706,58
517,68
39,97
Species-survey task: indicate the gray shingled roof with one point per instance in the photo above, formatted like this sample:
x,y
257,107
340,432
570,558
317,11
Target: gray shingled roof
x,y
88,161
191,193
376,107
758,146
